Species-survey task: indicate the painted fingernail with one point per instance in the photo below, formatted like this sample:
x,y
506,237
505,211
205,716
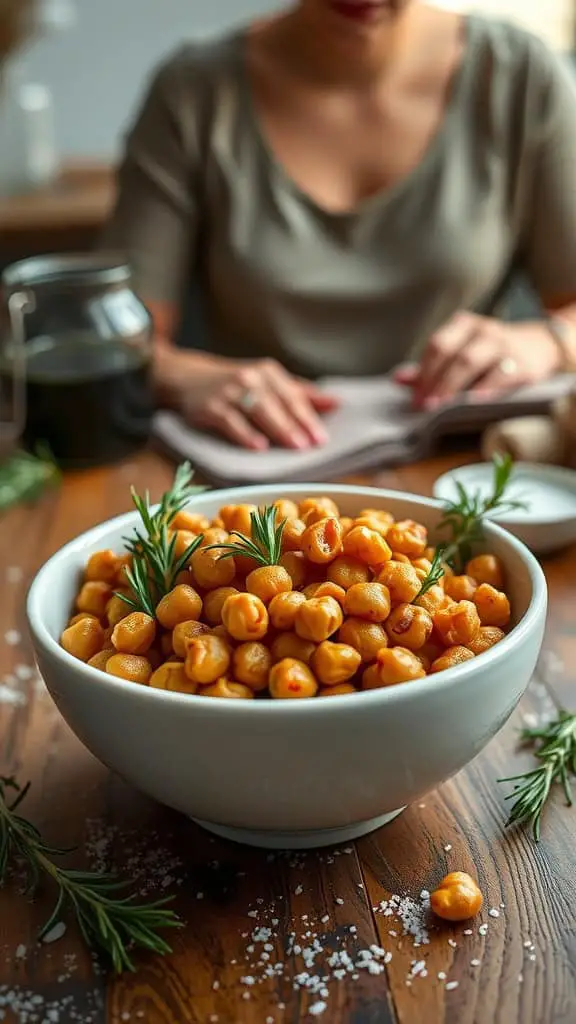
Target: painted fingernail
x,y
319,435
300,441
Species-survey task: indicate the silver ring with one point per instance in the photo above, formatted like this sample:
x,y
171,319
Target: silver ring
x,y
508,366
247,400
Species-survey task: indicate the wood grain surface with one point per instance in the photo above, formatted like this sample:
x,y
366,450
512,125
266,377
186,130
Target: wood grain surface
x,y
521,971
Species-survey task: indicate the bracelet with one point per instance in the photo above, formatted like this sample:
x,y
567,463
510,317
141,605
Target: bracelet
x,y
564,334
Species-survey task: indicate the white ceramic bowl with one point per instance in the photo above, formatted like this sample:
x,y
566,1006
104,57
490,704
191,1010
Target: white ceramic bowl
x,y
289,773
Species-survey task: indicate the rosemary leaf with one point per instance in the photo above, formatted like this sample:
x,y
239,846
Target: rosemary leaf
x,y
24,476
434,576
265,544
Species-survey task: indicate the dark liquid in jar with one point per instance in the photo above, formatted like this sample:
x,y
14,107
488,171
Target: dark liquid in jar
x,y
90,401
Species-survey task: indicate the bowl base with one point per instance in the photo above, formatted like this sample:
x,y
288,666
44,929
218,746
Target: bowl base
x,y
298,840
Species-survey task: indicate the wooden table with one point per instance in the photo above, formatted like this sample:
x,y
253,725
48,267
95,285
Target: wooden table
x,y
65,216
522,971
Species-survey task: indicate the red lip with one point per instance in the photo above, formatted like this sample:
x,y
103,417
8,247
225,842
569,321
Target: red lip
x,y
356,11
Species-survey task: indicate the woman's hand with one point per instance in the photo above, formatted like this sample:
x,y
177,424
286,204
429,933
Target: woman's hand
x,y
253,403
482,356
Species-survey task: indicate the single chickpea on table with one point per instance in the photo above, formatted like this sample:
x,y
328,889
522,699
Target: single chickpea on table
x,y
288,602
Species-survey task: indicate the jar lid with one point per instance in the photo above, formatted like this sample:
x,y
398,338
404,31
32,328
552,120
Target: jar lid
x,y
68,269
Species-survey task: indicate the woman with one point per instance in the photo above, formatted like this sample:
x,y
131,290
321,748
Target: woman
x,y
351,183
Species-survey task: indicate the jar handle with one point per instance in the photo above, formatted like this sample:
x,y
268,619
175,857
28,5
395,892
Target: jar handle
x,y
19,304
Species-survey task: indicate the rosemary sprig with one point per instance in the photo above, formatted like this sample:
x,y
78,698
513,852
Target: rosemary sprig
x,y
154,563
434,576
557,756
24,475
464,517
108,923
265,544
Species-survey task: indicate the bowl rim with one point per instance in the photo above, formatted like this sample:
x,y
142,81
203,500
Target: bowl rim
x,y
443,682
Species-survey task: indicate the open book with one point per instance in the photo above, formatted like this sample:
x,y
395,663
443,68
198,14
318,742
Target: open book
x,y
374,426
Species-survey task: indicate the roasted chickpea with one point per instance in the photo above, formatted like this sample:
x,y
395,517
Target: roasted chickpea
x,y
379,515
397,556
422,566
285,509
371,678
334,663
458,624
94,597
182,604
402,581
322,541
186,631
336,691
346,524
134,634
345,571
430,651
116,610
124,564
214,536
398,665
251,664
375,523
214,603
457,898
367,637
245,617
102,566
290,679
460,588
87,615
226,688
318,618
290,645
184,538
320,506
283,608
194,522
370,601
100,660
434,599
207,658
296,566
451,657
326,589
292,534
237,518
367,546
166,646
84,639
267,581
493,606
211,570
132,667
171,676
487,637
408,537
487,569
409,626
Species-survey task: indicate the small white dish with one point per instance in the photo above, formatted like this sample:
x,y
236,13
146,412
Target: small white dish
x,y
547,523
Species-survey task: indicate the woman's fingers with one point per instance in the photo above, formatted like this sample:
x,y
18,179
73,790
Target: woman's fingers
x,y
407,374
295,406
224,418
321,401
471,362
441,350
501,377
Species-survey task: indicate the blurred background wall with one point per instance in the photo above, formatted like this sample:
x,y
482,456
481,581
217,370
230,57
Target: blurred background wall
x,y
96,66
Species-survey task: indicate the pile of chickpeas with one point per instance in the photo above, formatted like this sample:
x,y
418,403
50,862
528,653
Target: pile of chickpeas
x,y
338,614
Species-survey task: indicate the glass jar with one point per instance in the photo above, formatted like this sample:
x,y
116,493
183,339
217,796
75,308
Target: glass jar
x,y
76,357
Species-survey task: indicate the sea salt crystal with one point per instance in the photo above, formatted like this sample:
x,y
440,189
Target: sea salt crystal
x,y
23,672
475,963
55,933
452,985
298,890
10,696
441,976
468,931
20,952
325,919
353,929
13,637
493,912
215,985
483,929
318,1008
339,901
452,943
448,847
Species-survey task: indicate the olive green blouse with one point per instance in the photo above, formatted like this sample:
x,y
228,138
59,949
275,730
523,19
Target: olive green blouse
x,y
203,202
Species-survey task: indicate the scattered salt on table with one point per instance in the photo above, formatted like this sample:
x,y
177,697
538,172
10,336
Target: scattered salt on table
x,y
451,985
55,933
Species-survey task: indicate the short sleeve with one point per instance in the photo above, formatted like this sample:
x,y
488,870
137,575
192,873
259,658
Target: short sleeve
x,y
154,223
549,245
